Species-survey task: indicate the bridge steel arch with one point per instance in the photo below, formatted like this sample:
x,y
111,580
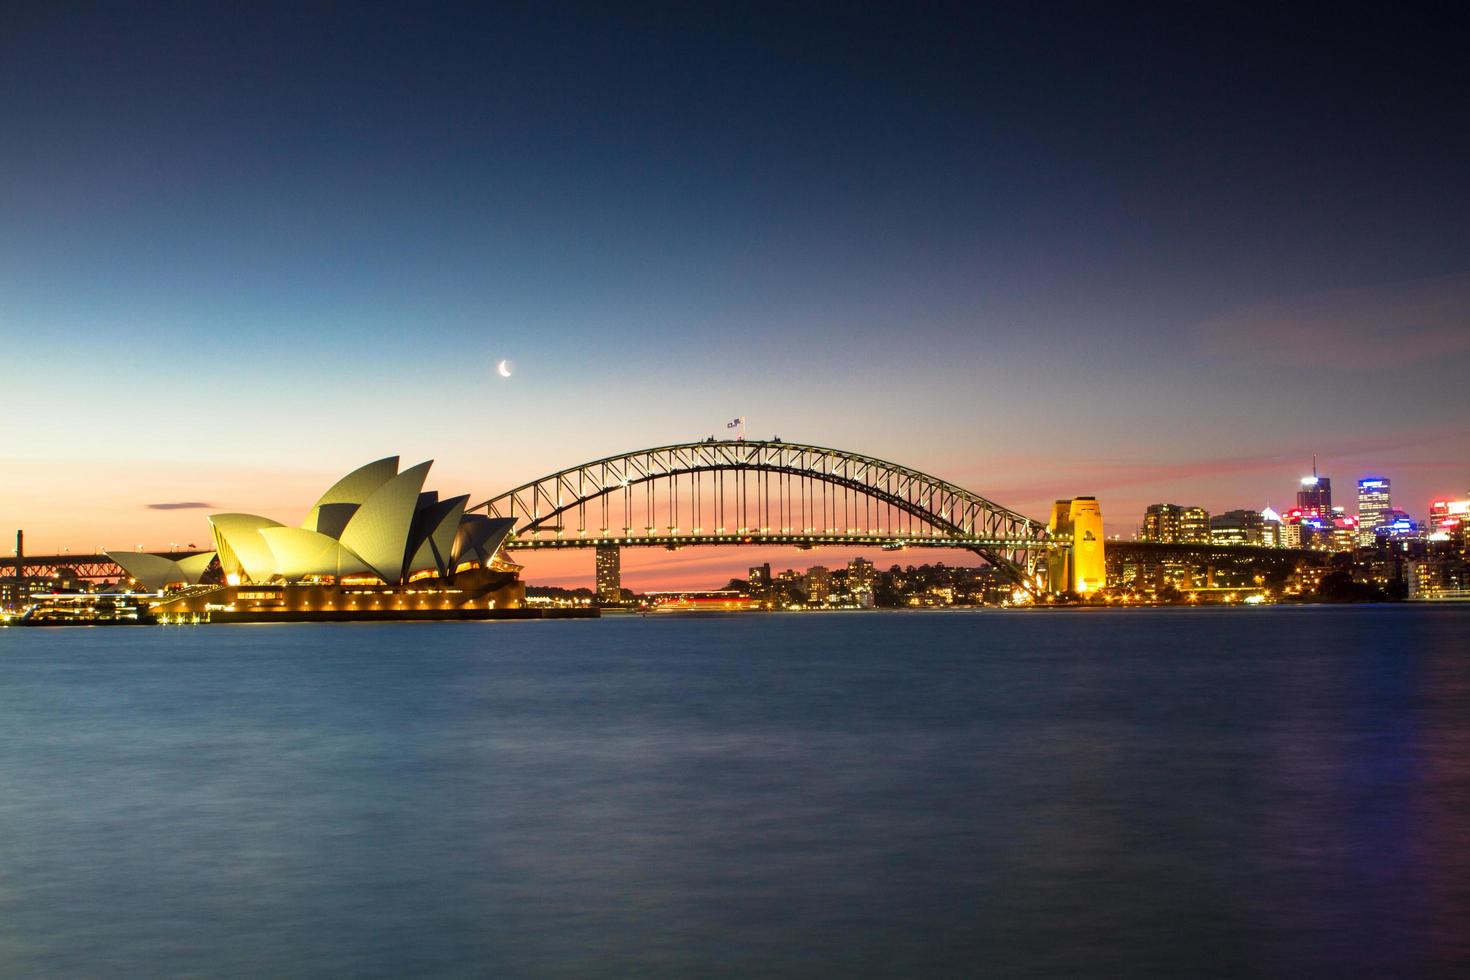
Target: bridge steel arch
x,y
674,488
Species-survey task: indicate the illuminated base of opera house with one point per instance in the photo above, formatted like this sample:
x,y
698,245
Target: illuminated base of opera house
x,y
376,545
474,594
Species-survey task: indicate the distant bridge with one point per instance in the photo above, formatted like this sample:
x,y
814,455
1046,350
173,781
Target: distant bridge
x,y
754,492
95,568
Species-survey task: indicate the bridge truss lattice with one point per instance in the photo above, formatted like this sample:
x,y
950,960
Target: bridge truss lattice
x,y
738,492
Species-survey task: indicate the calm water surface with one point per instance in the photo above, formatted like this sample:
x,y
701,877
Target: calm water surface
x,y
1269,792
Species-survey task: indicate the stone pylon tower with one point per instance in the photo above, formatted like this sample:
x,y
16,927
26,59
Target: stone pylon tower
x,y
1082,568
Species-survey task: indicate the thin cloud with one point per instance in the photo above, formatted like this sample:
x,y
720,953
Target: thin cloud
x,y
181,505
1388,325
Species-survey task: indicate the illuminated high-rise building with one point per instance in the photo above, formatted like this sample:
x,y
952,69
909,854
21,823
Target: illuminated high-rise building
x,y
609,573
1341,534
1374,501
1173,524
1291,529
862,578
818,583
1271,528
1160,523
1446,516
1237,527
1315,496
1194,526
1374,506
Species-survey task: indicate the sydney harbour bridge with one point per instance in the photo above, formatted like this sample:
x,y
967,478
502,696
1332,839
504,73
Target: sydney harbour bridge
x,y
737,492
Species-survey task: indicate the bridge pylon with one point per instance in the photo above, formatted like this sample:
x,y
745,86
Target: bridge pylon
x,y
1082,567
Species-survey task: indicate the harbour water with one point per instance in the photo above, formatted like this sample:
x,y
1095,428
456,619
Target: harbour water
x,y
1158,793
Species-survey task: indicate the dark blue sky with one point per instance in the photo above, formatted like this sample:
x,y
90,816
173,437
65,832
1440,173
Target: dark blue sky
x,y
1151,254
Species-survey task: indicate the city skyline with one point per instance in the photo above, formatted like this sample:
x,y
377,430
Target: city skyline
x,y
1158,257
642,568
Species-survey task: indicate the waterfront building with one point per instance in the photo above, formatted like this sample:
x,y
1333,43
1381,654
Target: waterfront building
x,y
375,545
1237,527
759,577
818,584
1173,524
18,593
1160,523
1439,578
1374,505
862,579
609,573
1307,579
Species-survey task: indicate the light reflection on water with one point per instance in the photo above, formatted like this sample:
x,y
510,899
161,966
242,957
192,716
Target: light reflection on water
x,y
1272,792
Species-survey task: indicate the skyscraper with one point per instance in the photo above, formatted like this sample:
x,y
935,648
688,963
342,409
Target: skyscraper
x,y
1315,496
818,583
1374,506
861,577
609,573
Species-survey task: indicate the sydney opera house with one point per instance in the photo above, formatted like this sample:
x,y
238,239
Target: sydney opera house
x,y
376,545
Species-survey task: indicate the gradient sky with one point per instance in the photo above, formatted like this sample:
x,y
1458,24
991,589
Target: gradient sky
x,y
1166,255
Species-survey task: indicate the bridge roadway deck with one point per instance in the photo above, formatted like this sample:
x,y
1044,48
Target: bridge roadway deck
x,y
600,539
102,567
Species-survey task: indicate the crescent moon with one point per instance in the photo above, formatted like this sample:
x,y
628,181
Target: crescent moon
x,y
503,368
